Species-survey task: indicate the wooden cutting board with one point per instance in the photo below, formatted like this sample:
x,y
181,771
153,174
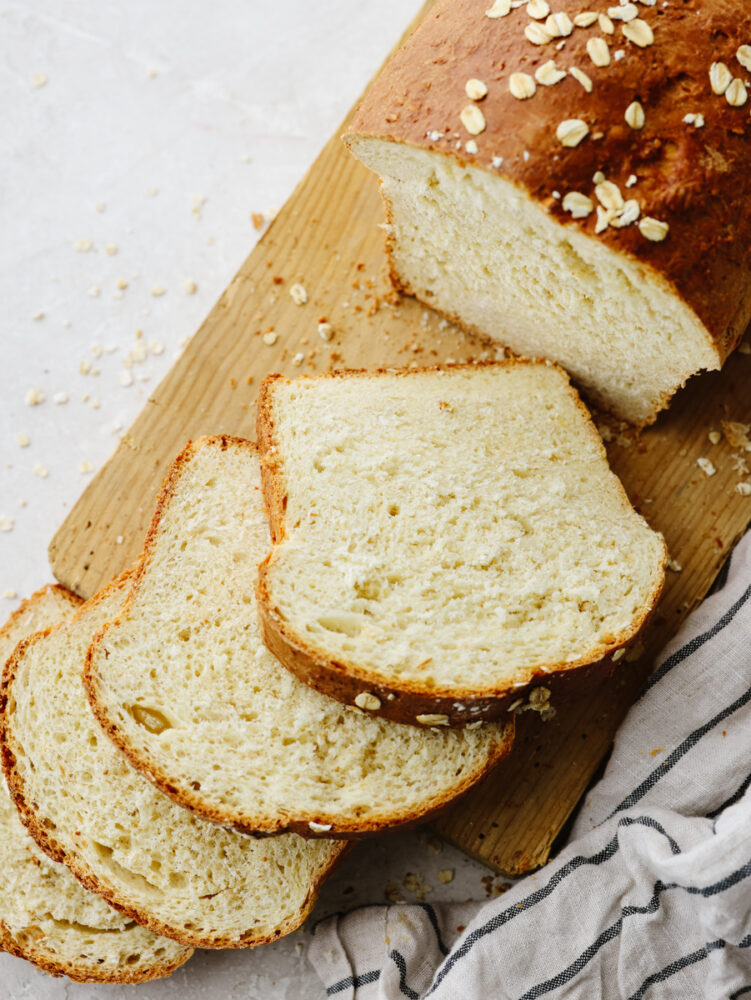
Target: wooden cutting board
x,y
327,238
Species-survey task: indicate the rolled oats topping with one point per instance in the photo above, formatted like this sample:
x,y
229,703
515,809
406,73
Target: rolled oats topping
x,y
572,131
639,32
522,85
578,204
635,116
599,51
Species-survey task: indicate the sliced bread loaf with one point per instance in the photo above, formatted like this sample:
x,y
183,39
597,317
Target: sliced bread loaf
x,y
85,806
46,916
219,724
446,537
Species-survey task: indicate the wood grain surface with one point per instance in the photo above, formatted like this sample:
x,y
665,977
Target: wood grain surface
x,y
327,238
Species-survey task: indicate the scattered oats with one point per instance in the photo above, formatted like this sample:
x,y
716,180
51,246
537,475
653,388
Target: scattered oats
x,y
720,78
586,19
618,654
126,379
10,594
674,566
635,116
158,290
475,89
632,181
603,219
85,397
582,78
744,348
598,177
23,440
110,249
298,294
579,205
706,466
736,94
446,875
609,196
83,246
270,338
156,347
628,215
368,701
653,230
85,467
547,74
189,286
571,132
34,396
319,827
743,55
471,147
538,9
522,85
744,489
121,283
298,359
325,331
626,12
606,25
537,34
500,8
61,398
715,437
39,470
6,523
619,54
736,434
95,404
432,720
639,32
473,119
95,291
598,51
39,80
84,366
559,25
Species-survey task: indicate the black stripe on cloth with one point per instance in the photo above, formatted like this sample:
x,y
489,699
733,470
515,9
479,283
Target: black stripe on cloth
x,y
735,797
572,971
739,993
680,751
696,643
609,851
692,959
401,965
353,982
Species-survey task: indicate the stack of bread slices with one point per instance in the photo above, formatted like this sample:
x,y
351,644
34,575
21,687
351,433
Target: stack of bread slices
x,y
328,634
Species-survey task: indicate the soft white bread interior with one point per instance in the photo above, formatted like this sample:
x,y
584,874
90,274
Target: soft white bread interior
x,y
480,249
445,537
46,916
183,683
85,806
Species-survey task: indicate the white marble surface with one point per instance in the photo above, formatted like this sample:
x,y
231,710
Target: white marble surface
x,y
155,128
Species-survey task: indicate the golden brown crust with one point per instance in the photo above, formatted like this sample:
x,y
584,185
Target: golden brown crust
x,y
259,824
81,972
344,680
53,848
696,179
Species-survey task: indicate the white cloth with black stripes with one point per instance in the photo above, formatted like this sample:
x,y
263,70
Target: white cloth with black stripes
x,y
652,896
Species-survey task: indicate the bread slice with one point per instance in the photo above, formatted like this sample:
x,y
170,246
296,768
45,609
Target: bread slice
x,y
221,725
85,806
559,200
46,916
445,538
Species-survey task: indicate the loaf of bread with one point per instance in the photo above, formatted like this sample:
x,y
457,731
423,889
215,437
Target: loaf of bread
x,y
46,916
574,181
221,726
445,538
156,862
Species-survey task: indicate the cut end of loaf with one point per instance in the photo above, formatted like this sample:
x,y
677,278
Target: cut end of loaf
x,y
449,536
479,249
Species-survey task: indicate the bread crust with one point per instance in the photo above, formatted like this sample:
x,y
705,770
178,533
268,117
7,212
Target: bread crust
x,y
53,848
334,827
344,680
697,179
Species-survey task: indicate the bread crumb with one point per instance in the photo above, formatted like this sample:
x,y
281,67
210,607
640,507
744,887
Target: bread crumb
x,y
258,220
6,523
706,466
39,80
715,437
298,359
110,249
24,440
299,294
270,338
22,502
122,283
325,331
85,467
675,566
34,396
94,292
189,286
84,366
156,347
158,290
83,245
60,398
41,471
9,594
744,489
152,192
736,434
199,200
446,875
125,379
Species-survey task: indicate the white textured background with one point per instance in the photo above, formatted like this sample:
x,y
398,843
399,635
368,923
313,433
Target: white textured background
x,y
158,128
